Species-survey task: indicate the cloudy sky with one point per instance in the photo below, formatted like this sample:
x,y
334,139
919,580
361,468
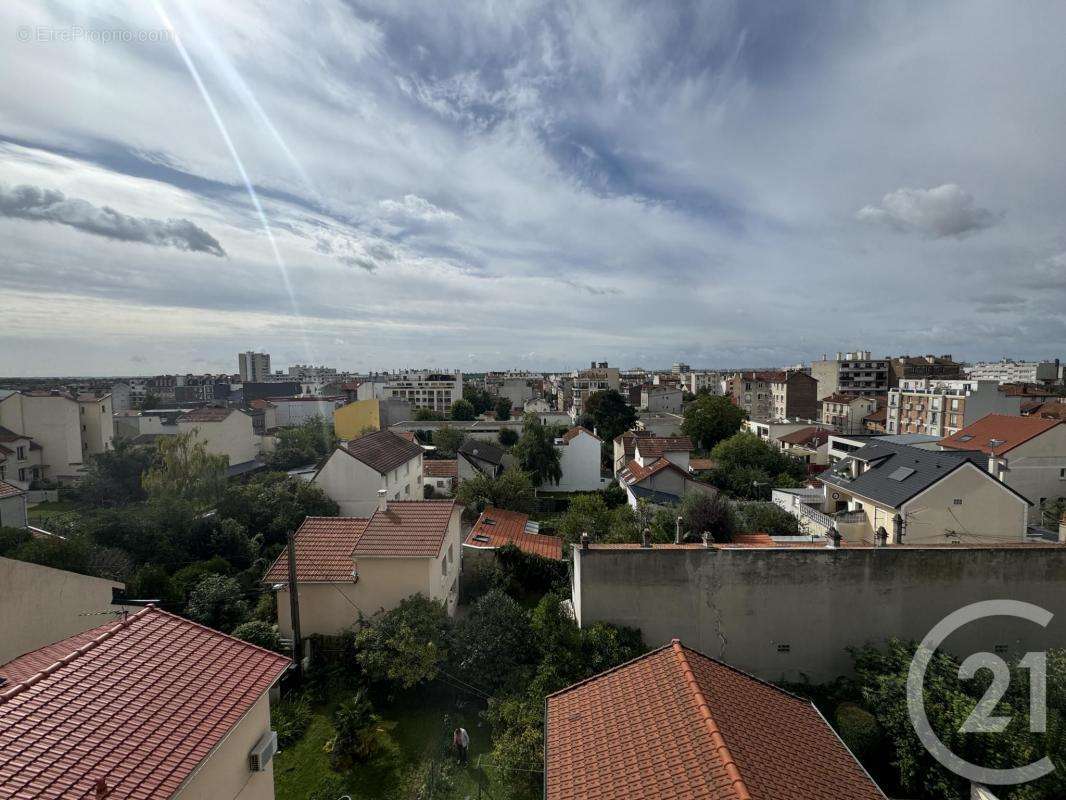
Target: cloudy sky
x,y
513,184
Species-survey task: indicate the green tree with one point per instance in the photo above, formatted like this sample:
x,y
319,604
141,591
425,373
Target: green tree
x,y
512,491
448,440
707,513
480,399
427,415
303,444
507,437
218,602
766,518
586,513
360,733
262,634
503,409
149,402
537,454
711,418
273,505
748,467
611,414
185,470
492,642
407,645
113,478
461,411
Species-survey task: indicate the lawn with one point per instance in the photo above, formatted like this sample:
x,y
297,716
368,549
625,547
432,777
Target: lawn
x,y
422,730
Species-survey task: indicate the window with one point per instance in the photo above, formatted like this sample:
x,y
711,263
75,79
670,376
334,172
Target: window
x,y
451,553
21,453
1062,474
957,501
444,566
22,474
784,648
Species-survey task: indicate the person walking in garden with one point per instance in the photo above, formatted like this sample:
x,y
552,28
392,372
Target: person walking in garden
x,y
461,743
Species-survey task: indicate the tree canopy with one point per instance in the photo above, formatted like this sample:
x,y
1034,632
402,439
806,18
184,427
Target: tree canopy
x,y
711,418
407,645
448,440
748,468
184,470
303,444
462,411
503,409
536,452
611,414
480,399
512,491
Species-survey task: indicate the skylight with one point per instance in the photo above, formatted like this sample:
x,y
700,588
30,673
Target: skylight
x,y
966,437
901,474
480,537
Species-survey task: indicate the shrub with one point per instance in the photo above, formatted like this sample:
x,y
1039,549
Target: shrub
x,y
360,733
859,730
217,602
259,633
290,718
406,645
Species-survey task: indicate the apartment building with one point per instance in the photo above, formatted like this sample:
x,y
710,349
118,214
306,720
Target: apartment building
x,y
253,367
428,389
712,382
847,412
775,395
851,373
903,368
661,398
223,431
599,377
942,408
67,429
1008,371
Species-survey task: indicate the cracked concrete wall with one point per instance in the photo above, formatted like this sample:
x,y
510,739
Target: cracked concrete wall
x,y
792,613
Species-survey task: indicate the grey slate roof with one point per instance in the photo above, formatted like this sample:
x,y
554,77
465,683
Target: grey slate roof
x,y
883,459
483,451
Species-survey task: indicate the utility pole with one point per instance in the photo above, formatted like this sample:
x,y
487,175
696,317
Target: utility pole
x,y
294,609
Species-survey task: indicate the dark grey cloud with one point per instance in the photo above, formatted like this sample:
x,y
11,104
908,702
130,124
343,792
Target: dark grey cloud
x,y
937,213
51,205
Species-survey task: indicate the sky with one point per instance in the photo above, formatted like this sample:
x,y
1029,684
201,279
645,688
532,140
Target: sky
x,y
527,185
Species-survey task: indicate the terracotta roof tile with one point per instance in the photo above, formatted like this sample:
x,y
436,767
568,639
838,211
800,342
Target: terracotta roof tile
x,y
808,437
29,664
324,548
635,473
141,706
1053,409
656,446
497,527
699,464
440,468
9,490
383,450
678,724
573,433
1008,431
206,415
628,440
407,529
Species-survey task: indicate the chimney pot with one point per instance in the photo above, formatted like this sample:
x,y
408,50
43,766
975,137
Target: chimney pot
x,y
383,501
585,540
706,539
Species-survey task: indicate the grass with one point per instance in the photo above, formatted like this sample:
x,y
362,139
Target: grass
x,y
40,513
422,732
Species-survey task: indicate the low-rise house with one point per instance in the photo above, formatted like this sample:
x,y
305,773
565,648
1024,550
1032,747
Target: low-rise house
x,y
347,566
677,723
478,457
771,431
67,429
846,412
809,445
497,528
661,482
676,449
441,475
12,506
355,474
154,706
223,431
1026,453
579,460
661,397
876,421
264,416
20,459
896,493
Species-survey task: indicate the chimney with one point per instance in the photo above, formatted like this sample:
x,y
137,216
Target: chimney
x,y
856,468
834,538
585,540
383,502
645,538
677,531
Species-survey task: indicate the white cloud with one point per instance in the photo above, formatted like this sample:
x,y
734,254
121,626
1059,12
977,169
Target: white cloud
x,y
413,207
939,212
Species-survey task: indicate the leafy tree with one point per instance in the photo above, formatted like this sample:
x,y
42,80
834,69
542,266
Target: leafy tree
x,y
611,414
537,454
113,478
448,440
149,402
273,505
427,415
188,577
492,641
503,409
461,411
360,733
512,491
707,513
766,518
748,467
151,582
587,513
480,399
306,443
217,601
407,645
262,634
71,554
711,418
185,470
508,437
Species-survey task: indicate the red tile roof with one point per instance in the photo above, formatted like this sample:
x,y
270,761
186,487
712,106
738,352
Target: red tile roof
x,y
407,529
840,397
1008,431
140,706
880,415
1053,409
678,724
408,435
206,415
9,490
498,527
29,664
656,446
808,437
635,473
324,548
628,440
1025,390
261,403
440,468
383,451
573,433
698,464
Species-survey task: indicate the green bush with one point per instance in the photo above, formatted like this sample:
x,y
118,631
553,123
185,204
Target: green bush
x,y
361,735
859,730
290,718
259,633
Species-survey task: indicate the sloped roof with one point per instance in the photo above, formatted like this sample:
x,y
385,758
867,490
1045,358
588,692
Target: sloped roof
x,y
656,446
483,451
9,490
29,664
140,706
635,473
497,527
1007,431
440,468
807,437
628,440
573,433
883,483
678,724
1052,409
8,435
407,529
383,451
324,548
206,415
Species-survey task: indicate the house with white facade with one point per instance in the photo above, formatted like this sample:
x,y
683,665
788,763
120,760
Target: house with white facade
x,y
67,429
292,411
223,431
579,460
354,474
20,459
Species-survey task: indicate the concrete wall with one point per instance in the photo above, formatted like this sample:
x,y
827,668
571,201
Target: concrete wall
x,y
1034,468
354,486
746,606
224,774
296,412
97,425
54,422
580,463
40,605
13,511
233,437
354,419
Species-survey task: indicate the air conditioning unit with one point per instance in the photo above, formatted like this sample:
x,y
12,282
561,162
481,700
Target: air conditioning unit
x,y
263,751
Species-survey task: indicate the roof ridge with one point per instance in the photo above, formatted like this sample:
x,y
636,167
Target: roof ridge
x,y
67,659
215,631
717,740
607,671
